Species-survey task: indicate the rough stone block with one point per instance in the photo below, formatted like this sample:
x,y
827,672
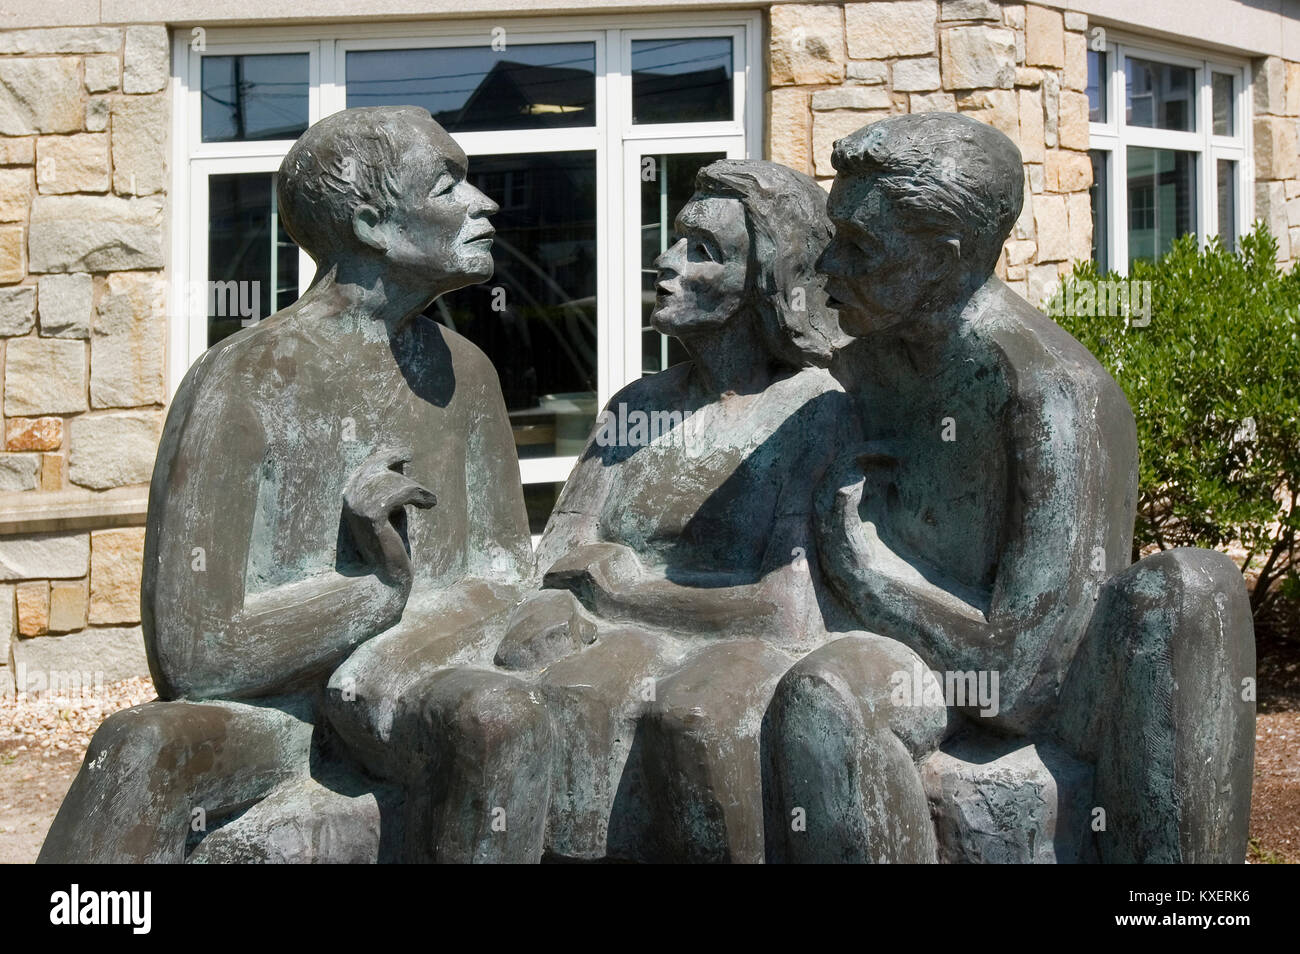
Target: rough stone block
x,y
889,29
790,125
1275,148
932,103
139,160
1270,86
145,60
970,10
52,466
1075,74
1079,208
126,349
19,472
33,601
110,654
72,163
978,57
1051,225
917,76
1044,37
102,73
1030,139
81,39
67,606
1068,171
96,234
13,257
807,44
1073,131
116,557
113,450
18,152
44,376
17,310
65,305
41,95
33,433
851,97
867,72
44,556
15,194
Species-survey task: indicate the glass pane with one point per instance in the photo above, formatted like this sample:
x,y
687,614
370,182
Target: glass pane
x,y
667,181
254,97
243,263
1226,175
1160,96
682,81
536,318
1161,199
531,86
540,501
1097,86
1099,195
1224,122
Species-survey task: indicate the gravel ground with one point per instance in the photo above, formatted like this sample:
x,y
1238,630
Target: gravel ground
x,y
43,741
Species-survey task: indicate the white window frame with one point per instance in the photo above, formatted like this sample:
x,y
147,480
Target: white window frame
x,y
618,143
1114,137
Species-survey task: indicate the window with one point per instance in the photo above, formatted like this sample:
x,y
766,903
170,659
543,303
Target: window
x,y
1169,140
588,136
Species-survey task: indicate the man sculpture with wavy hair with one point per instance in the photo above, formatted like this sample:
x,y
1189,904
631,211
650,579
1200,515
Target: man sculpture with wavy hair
x,y
292,519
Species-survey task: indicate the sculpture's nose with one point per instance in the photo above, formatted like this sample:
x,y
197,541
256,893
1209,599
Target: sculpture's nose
x,y
830,261
668,260
480,205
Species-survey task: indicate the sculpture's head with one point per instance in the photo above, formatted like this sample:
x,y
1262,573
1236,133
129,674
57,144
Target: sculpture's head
x,y
921,206
387,185
751,235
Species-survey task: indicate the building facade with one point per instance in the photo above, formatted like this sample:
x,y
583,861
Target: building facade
x,y
139,139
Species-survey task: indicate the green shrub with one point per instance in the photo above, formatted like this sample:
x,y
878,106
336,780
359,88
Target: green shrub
x,y
1214,381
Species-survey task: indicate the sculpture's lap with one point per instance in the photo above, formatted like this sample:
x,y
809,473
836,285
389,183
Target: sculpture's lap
x,y
149,768
594,699
692,789
1157,697
375,688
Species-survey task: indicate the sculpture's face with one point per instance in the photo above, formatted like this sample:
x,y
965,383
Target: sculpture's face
x,y
879,272
439,231
703,279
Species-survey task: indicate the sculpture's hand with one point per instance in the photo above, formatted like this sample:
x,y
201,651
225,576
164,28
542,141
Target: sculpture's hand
x,y
548,625
861,473
375,493
604,567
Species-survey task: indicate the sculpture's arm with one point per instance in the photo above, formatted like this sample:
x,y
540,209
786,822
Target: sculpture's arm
x,y
207,636
1026,612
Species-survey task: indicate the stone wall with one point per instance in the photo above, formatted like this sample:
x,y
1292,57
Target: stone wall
x,y
1276,108
84,118
1022,68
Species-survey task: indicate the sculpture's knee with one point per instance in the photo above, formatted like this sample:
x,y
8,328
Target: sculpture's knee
x,y
872,682
1161,696
840,746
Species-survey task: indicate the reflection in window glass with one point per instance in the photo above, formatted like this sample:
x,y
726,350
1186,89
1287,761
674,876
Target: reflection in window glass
x,y
1098,194
530,86
1160,95
1226,176
1223,97
257,97
1161,199
663,193
244,265
682,81
536,318
539,499
1097,86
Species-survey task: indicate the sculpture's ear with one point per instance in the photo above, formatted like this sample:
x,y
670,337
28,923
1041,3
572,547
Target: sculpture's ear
x,y
947,258
367,226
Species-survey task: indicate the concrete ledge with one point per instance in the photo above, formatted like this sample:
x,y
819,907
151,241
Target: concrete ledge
x,y
69,510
